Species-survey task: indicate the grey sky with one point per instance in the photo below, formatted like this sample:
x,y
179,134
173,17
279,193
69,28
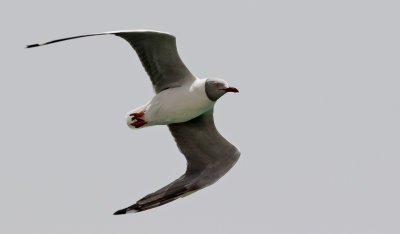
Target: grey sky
x,y
316,119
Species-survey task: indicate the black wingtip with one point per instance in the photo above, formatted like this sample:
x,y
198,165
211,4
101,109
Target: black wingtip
x,y
33,45
120,212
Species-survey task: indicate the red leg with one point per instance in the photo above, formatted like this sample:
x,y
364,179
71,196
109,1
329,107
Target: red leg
x,y
139,123
137,115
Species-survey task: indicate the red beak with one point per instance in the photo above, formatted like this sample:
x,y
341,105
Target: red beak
x,y
231,89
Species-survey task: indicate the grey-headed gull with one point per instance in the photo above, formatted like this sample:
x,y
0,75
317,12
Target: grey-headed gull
x,y
183,102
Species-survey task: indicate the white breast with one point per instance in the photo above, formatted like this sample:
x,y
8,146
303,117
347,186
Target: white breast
x,y
179,104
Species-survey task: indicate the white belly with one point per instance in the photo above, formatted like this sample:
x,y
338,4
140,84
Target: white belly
x,y
178,105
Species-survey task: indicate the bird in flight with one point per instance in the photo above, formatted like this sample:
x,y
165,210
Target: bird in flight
x,y
185,104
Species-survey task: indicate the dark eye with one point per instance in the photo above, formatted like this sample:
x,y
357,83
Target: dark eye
x,y
215,84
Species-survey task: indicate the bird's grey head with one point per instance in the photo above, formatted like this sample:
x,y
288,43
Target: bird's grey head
x,y
215,88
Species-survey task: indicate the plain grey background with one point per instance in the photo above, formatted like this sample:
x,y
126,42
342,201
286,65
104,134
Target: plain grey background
x,y
316,119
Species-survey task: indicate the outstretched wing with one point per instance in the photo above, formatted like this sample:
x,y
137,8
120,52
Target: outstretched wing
x,y
203,146
209,156
159,56
157,52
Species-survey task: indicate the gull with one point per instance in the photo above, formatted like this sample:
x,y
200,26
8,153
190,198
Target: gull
x,y
185,104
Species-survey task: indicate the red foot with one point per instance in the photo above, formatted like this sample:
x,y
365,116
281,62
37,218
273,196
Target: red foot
x,y
137,115
139,123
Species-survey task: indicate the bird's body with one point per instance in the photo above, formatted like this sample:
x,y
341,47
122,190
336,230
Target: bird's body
x,y
174,105
184,103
